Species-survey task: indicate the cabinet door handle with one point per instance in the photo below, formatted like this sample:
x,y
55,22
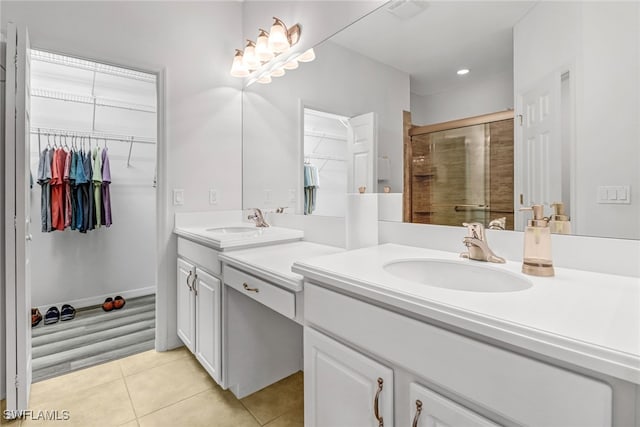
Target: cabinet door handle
x,y
247,288
418,411
189,277
194,284
376,409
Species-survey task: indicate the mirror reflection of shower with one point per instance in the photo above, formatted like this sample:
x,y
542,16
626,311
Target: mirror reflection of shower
x,y
325,163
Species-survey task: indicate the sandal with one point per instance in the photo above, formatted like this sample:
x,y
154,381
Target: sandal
x,y
118,302
36,317
68,312
107,305
52,316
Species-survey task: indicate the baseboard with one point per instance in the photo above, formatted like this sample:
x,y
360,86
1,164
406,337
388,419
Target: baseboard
x,y
98,299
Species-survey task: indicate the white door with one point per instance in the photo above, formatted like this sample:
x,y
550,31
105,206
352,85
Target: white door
x,y
539,152
362,153
17,225
342,387
186,304
428,409
208,350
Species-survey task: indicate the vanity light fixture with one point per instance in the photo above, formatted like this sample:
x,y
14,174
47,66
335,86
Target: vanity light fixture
x,y
250,60
238,69
255,60
462,71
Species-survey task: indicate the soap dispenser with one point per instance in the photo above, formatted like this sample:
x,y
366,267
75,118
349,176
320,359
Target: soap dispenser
x,y
559,221
537,244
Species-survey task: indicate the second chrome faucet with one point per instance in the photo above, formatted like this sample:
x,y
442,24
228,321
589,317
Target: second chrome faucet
x,y
476,242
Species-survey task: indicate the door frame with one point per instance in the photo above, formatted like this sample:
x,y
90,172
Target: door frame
x,y
165,338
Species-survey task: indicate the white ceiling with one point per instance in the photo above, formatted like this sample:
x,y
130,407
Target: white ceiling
x,y
441,38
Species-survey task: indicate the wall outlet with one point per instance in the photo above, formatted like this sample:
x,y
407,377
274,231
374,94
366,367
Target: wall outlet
x,y
292,195
178,197
267,196
213,196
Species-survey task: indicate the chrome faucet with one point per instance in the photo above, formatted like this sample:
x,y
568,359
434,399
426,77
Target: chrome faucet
x,y
258,218
476,242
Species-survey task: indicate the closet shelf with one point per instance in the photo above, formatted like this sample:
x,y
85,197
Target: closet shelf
x,y
52,58
91,100
324,135
324,157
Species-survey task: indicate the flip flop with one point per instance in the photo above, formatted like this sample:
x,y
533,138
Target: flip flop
x,y
107,305
36,317
68,312
52,316
118,302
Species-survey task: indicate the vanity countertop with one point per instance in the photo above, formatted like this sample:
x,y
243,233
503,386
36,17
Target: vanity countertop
x,y
583,318
254,236
274,262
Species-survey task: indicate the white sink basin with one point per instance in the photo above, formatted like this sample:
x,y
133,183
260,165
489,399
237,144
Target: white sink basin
x,y
232,230
457,275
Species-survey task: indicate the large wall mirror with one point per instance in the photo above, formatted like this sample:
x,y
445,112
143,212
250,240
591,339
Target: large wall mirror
x,y
562,79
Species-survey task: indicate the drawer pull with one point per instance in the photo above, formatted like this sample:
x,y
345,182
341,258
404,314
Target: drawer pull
x,y
247,288
418,411
194,286
376,410
189,277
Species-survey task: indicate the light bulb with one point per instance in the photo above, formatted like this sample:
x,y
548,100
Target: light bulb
x,y
278,38
278,72
264,79
307,56
291,65
462,71
250,60
263,52
238,69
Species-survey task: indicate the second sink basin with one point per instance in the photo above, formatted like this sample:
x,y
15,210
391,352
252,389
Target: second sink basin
x,y
232,230
457,275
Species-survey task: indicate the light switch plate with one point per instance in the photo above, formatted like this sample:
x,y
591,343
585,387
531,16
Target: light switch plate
x,y
178,197
267,196
614,194
292,195
213,196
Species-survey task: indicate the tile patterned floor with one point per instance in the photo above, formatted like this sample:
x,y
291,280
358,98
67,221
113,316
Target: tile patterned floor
x,y
161,389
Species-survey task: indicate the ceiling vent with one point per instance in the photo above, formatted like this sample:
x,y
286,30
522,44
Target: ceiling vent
x,y
406,9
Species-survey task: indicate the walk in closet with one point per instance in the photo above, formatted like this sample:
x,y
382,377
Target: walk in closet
x,y
93,111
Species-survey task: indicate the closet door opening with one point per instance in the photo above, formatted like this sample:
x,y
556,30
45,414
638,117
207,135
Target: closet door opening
x,y
94,226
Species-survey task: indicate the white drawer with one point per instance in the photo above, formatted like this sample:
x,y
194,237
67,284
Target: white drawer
x,y
274,297
201,255
516,387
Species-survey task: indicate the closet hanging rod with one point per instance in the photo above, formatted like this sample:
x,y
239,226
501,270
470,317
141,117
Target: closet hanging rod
x,y
92,135
91,100
324,157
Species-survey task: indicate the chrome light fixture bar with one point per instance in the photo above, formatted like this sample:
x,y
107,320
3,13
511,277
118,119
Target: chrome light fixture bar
x,y
257,55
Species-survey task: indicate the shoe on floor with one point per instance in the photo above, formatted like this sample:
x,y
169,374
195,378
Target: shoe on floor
x,y
67,313
118,302
107,305
36,317
52,316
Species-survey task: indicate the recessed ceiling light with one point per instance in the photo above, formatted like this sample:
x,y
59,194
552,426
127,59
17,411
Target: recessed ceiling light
x,y
462,72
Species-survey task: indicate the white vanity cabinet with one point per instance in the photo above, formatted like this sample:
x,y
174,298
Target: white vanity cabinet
x,y
500,385
199,305
346,387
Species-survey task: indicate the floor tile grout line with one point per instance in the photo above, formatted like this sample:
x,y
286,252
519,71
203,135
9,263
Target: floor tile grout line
x,y
126,386
171,404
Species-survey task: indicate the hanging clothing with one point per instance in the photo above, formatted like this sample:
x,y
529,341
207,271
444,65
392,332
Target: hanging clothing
x,y
89,217
67,189
81,192
44,179
96,179
106,192
311,185
73,189
57,189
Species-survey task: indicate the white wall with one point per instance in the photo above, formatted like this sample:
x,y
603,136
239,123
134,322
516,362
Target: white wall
x,y
2,258
601,41
468,100
273,115
194,42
